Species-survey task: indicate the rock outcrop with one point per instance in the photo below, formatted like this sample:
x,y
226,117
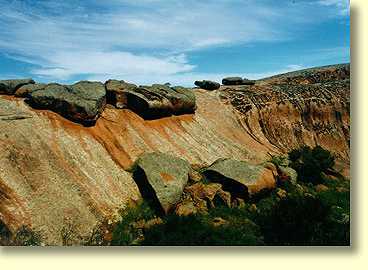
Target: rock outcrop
x,y
116,92
232,81
10,86
237,81
81,102
27,89
248,82
159,100
207,85
240,178
57,176
199,197
161,179
309,107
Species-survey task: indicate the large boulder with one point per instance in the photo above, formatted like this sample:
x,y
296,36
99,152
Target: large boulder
x,y
116,92
160,100
10,86
25,90
232,81
240,178
207,85
81,102
161,179
237,81
248,82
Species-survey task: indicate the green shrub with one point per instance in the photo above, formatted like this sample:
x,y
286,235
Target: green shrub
x,y
304,217
4,235
125,232
336,227
279,160
25,236
310,163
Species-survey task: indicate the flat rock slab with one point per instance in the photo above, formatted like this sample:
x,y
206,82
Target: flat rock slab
x,y
81,102
9,111
240,178
161,179
10,86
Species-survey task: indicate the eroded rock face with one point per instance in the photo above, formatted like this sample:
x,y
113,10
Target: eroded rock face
x,y
207,85
81,102
161,179
310,107
55,177
10,86
158,100
313,75
240,178
56,174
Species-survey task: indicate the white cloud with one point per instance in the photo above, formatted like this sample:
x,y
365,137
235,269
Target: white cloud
x,y
342,6
114,64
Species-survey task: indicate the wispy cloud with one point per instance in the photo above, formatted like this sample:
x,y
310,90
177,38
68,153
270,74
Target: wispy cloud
x,y
134,39
342,6
114,63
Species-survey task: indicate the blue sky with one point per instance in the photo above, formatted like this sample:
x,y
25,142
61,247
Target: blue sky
x,y
176,41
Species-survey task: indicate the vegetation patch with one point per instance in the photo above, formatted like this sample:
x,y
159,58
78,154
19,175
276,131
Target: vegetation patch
x,y
313,211
310,163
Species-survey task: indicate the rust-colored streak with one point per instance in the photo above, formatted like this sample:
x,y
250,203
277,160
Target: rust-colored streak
x,y
166,177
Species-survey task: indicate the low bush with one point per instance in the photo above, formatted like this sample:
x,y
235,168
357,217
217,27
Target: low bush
x,y
200,231
305,217
304,214
125,233
311,163
25,236
4,235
